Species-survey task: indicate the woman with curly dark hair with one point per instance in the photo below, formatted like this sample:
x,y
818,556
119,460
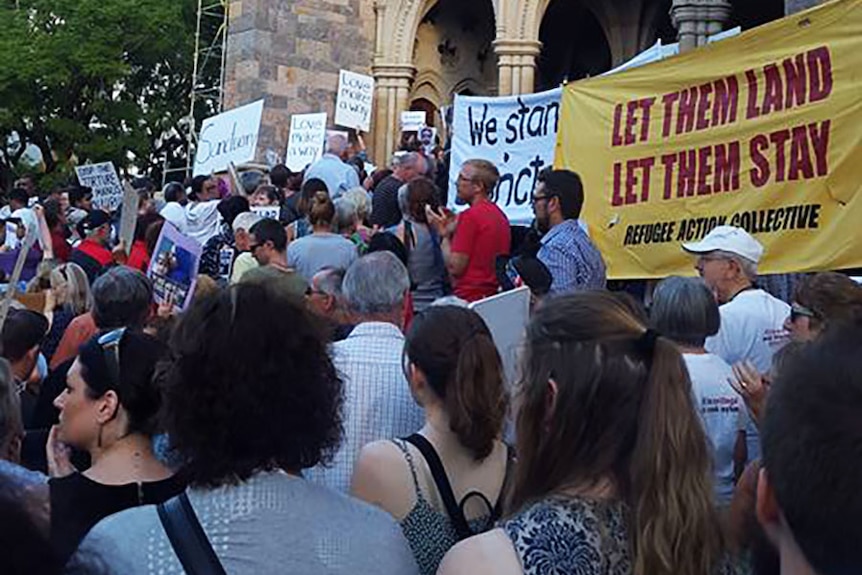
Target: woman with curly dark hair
x,y
252,399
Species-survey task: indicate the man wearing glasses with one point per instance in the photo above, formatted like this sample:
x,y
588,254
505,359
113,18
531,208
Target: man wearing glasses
x,y
472,241
566,249
752,320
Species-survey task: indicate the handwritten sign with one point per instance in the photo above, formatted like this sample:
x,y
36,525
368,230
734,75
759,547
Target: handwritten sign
x,y
102,179
131,200
515,133
228,137
412,121
306,140
174,268
355,97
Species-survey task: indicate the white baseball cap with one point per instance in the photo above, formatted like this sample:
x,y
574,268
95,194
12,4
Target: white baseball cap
x,y
728,239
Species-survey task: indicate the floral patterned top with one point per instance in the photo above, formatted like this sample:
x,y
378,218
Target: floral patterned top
x,y
577,536
573,536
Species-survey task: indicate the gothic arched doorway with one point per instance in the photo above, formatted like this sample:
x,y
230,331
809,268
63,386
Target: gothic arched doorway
x,y
574,45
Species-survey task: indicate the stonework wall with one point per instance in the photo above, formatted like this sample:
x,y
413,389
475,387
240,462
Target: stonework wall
x,y
289,53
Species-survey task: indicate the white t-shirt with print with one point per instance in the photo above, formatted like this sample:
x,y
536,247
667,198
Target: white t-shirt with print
x,y
719,407
752,328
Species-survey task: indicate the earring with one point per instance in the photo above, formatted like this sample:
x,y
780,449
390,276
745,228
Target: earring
x,y
99,438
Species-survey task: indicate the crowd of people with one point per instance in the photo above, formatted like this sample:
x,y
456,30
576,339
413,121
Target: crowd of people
x,y
329,402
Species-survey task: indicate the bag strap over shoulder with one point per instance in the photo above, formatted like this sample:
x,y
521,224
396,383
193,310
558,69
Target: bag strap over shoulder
x,y
188,538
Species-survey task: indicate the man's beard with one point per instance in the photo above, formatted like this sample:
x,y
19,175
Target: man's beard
x,y
543,224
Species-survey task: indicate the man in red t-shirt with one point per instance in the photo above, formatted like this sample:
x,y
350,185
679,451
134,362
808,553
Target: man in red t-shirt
x,y
472,242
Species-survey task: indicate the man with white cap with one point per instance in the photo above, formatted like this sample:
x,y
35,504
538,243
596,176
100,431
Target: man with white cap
x,y
752,320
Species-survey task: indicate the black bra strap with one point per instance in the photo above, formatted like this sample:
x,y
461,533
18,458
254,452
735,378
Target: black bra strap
x,y
444,488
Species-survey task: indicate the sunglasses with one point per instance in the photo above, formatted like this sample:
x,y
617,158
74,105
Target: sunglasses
x,y
797,311
110,343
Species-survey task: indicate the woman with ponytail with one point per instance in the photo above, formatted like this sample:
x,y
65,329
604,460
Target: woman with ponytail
x,y
323,248
613,471
446,482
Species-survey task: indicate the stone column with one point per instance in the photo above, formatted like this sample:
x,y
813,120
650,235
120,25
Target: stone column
x,y
696,20
517,65
391,90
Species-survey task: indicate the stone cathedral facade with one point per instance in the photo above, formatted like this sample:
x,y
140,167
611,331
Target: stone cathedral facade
x,y
422,52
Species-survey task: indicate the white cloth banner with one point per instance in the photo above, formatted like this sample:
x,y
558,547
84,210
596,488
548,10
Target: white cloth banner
x,y
515,133
306,140
102,179
354,101
228,137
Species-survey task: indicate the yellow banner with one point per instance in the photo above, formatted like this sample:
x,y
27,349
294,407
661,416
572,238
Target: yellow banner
x,y
761,131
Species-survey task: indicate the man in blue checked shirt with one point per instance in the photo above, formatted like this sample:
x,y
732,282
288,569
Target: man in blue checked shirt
x,y
566,249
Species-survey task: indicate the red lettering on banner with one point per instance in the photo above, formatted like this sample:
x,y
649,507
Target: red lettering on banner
x,y
800,160
752,111
616,140
759,173
637,178
820,143
686,111
703,106
703,171
794,70
616,198
779,138
669,100
726,101
727,166
669,161
819,74
631,122
808,155
686,174
773,98
624,132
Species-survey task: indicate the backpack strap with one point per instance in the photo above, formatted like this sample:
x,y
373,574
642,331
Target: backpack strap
x,y
444,488
188,538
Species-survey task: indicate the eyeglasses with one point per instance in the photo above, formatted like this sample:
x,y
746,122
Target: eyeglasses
x,y
797,311
110,343
548,197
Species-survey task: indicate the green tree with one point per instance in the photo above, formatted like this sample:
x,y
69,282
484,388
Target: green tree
x,y
96,80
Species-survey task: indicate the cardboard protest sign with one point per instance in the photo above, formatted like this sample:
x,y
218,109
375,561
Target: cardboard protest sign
x,y
102,179
131,200
271,212
306,140
758,131
228,137
412,121
174,268
354,100
506,314
517,134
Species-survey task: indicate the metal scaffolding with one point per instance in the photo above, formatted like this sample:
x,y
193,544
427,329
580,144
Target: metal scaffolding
x,y
208,70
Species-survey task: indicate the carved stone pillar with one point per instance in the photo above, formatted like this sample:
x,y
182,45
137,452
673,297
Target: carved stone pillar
x,y
696,20
517,65
391,90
